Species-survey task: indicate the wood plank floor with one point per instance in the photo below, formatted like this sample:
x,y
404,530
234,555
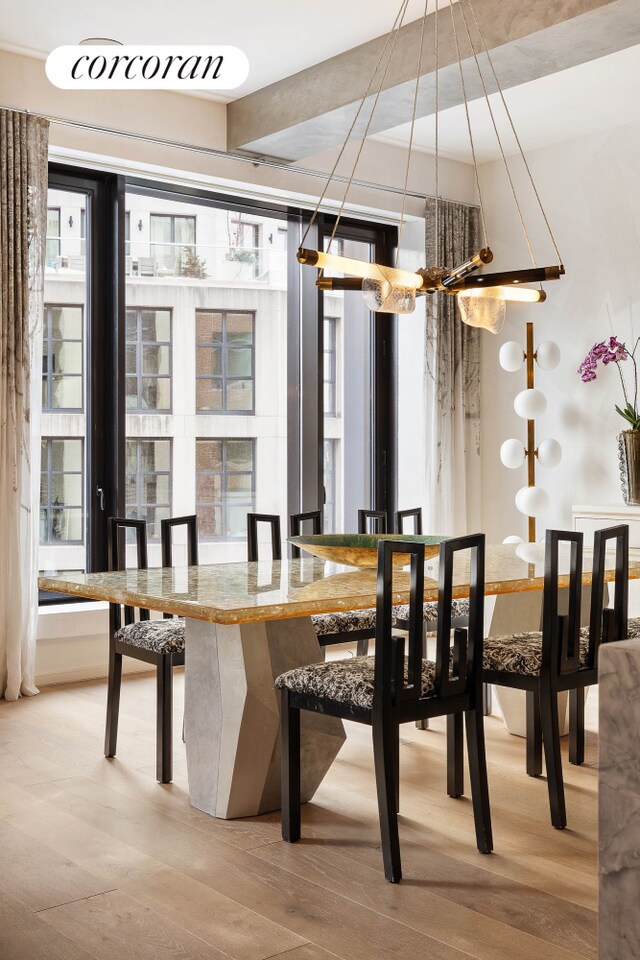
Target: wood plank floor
x,y
100,861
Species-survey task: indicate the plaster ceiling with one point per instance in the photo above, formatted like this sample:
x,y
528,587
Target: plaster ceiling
x,y
586,99
280,37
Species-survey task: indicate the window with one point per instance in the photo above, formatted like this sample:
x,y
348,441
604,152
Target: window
x,y
330,486
148,482
329,366
53,237
61,490
225,487
127,236
245,244
224,361
83,233
148,363
62,357
173,245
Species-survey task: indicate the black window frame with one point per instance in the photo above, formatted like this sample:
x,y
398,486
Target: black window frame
x,y
140,375
224,473
48,374
224,377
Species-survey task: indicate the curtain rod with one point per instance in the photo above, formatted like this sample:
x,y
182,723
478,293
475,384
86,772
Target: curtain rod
x,y
223,155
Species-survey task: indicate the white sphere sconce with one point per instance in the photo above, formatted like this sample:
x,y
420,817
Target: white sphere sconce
x,y
549,453
511,356
529,404
513,454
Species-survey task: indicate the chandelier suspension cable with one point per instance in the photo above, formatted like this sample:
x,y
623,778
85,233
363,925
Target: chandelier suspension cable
x,y
466,108
498,138
392,33
413,124
395,31
513,128
437,134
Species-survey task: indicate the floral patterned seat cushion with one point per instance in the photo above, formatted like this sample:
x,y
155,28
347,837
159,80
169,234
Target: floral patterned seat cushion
x,y
522,652
345,681
346,621
634,629
459,608
158,636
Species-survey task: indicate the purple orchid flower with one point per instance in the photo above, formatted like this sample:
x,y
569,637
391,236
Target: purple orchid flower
x,y
614,351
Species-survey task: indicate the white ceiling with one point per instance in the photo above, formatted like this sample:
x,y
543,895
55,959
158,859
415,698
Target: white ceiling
x,y
592,97
280,37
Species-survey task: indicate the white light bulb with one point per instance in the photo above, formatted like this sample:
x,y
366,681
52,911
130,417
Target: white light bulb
x,y
512,454
532,501
513,539
549,453
511,356
548,355
530,404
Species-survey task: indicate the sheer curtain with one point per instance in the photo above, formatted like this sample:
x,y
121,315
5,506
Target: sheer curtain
x,y
23,217
452,382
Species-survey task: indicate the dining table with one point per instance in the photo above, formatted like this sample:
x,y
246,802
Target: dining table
x,y
246,623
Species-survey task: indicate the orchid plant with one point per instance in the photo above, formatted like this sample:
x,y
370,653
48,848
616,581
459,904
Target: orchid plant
x,y
613,351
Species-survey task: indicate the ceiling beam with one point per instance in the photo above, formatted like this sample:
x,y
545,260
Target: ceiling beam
x,y
312,110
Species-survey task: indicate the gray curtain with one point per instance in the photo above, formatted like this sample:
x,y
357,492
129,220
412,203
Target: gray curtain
x,y
23,218
452,381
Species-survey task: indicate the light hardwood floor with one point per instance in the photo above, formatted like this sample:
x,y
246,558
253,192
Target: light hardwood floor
x,y
100,861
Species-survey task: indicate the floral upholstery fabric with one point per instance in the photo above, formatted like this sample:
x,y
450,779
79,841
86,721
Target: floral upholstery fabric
x,y
459,608
159,636
634,629
345,681
522,652
346,621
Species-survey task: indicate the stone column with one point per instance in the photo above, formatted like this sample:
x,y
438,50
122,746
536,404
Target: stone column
x,y
619,776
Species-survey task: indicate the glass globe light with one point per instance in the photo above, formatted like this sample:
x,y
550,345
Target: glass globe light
x,y
513,539
532,501
549,453
548,355
512,454
530,404
511,356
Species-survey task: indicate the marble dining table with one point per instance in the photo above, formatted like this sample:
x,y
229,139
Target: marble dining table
x,y
248,622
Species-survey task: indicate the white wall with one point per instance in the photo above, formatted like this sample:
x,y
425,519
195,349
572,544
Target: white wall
x,y
591,191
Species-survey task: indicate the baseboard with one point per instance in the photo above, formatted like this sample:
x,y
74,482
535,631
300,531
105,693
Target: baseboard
x,y
96,671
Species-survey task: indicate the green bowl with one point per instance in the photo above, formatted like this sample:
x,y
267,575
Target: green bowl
x,y
361,549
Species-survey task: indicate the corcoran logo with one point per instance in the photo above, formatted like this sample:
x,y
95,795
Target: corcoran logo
x,y
147,67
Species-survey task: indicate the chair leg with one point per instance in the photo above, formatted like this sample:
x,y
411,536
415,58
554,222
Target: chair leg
x,y
487,699
396,765
455,759
290,768
113,702
423,724
553,760
474,721
534,734
576,726
362,648
384,749
164,720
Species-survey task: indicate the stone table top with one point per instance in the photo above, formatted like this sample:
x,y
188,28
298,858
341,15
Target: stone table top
x,y
275,590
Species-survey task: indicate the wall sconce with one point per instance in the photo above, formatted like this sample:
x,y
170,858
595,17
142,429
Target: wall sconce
x,y
70,221
139,224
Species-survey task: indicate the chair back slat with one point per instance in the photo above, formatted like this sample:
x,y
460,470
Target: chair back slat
x,y
561,632
459,667
295,526
390,684
607,624
167,526
378,520
253,519
117,550
402,515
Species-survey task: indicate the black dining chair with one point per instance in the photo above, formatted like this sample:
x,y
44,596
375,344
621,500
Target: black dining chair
x,y
561,656
398,686
377,519
158,642
414,514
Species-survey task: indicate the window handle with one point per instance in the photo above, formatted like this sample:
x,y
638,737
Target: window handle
x,y
100,496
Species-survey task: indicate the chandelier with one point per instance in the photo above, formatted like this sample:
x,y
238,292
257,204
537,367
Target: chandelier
x,y
481,297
